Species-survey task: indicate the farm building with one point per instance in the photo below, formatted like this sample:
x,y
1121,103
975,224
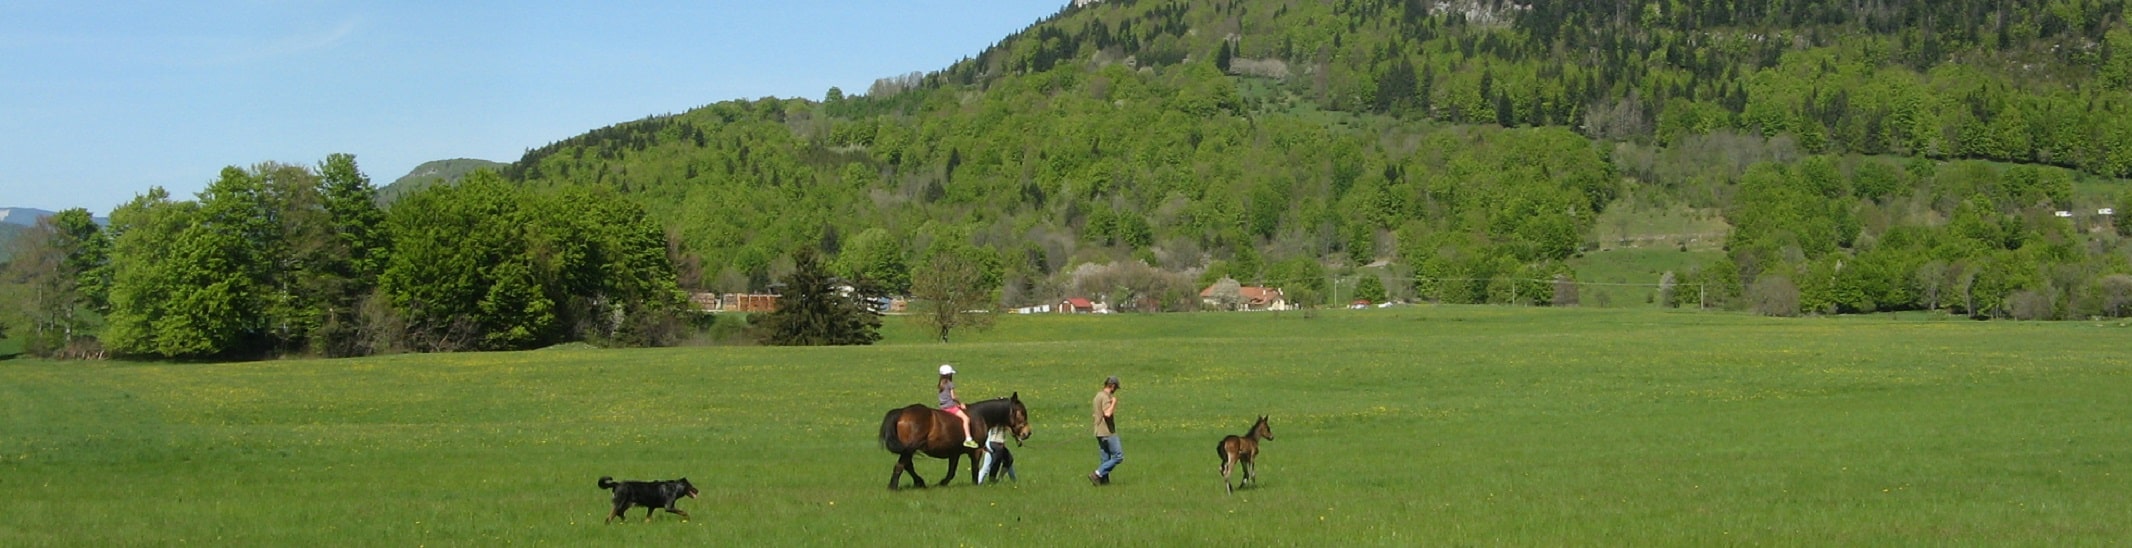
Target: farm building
x,y
1077,305
1227,294
733,302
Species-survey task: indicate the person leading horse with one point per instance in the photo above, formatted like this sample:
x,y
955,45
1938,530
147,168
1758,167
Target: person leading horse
x,y
915,428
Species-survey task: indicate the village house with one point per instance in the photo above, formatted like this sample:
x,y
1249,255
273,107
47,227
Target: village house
x,y
1226,294
1077,305
733,302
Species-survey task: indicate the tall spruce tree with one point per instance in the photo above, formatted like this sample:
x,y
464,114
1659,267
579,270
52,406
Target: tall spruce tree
x,y
815,309
355,260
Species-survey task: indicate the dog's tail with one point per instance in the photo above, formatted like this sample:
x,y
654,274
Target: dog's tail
x,y
607,482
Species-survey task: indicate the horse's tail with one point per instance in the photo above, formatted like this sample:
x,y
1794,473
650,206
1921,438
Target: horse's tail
x,y
1221,449
607,482
889,440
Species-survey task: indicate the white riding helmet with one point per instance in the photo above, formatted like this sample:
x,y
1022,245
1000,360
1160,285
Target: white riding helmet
x,y
946,369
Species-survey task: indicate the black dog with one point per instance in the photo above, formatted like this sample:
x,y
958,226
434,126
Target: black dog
x,y
652,495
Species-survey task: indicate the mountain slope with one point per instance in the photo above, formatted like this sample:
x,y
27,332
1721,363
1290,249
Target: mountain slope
x,y
1268,139
434,172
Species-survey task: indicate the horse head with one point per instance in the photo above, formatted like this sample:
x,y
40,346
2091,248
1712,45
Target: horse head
x,y
1018,418
1263,429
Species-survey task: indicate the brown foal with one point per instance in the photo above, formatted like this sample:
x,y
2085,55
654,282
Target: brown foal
x,y
1243,449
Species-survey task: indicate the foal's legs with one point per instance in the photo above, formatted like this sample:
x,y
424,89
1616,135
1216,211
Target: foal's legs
x,y
1228,463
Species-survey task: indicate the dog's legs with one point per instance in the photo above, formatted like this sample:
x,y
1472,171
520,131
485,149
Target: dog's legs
x,y
617,513
684,515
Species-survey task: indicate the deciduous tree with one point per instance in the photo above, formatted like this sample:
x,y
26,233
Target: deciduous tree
x,y
952,293
60,263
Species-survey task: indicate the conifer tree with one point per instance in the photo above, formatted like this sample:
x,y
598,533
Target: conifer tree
x,y
816,309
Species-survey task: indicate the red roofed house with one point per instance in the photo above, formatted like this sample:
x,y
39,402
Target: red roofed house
x,y
1228,295
1263,298
1077,305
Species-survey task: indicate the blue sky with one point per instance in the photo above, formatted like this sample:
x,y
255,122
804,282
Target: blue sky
x,y
101,100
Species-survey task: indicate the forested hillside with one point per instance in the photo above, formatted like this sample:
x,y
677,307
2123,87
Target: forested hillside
x,y
1473,143
1824,157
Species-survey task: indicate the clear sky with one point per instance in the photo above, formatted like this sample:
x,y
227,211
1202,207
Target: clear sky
x,y
100,100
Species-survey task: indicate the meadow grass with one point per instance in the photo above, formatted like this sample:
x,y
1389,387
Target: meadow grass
x,y
1628,277
1423,425
1631,223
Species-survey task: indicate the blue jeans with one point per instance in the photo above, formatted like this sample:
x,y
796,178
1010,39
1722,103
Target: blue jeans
x,y
1113,453
997,459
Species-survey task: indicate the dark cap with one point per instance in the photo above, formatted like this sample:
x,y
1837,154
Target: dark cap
x,y
1112,381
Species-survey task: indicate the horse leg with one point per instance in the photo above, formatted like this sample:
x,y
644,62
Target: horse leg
x,y
903,466
897,475
954,461
1251,471
1228,462
916,480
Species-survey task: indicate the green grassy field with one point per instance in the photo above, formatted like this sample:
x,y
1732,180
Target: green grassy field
x,y
1628,277
1407,426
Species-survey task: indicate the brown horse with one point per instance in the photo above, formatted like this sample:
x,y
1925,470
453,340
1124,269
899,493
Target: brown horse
x,y
919,429
1243,449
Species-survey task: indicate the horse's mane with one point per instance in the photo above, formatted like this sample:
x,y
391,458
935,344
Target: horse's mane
x,y
992,411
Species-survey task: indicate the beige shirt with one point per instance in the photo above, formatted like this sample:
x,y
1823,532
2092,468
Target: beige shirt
x,y
1103,402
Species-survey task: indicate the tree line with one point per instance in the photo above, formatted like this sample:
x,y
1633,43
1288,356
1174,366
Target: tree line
x,y
279,260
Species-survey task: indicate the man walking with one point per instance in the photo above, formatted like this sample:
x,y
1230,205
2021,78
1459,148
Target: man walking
x,y
1106,405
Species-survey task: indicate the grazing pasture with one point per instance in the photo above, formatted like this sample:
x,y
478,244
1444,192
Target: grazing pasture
x,y
1403,426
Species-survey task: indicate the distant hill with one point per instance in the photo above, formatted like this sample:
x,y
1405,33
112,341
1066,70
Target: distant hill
x,y
8,233
22,216
16,220
433,172
13,221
